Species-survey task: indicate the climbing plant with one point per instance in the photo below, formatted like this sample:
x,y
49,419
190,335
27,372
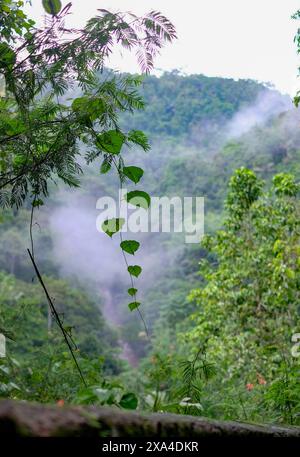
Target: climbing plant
x,y
45,131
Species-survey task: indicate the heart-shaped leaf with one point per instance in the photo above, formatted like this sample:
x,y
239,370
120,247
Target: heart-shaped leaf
x,y
138,198
134,305
130,246
134,270
133,173
132,291
112,226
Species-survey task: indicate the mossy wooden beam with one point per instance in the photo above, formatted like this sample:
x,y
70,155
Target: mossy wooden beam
x,y
20,419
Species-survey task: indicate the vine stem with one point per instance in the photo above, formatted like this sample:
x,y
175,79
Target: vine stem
x,y
31,225
132,285
49,324
125,258
57,318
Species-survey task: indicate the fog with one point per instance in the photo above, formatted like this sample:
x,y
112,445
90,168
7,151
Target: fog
x,y
267,105
96,261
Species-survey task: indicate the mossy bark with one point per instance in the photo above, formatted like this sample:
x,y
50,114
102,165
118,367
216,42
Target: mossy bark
x,y
19,419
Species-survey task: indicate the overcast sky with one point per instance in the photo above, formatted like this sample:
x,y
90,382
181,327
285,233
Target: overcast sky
x,y
230,38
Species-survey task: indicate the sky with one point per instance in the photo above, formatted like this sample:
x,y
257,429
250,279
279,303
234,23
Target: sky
x,y
229,38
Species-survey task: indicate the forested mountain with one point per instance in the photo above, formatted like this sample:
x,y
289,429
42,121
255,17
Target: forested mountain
x,y
178,109
201,130
176,104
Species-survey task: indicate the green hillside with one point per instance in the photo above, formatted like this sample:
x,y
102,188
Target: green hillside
x,y
187,119
175,104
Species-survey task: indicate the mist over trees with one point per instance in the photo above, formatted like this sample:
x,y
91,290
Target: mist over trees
x,y
201,329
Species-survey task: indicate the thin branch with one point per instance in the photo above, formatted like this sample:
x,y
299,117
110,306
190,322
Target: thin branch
x,y
57,318
31,226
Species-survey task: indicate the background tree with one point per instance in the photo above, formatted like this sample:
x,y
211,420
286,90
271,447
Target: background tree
x,y
247,311
41,135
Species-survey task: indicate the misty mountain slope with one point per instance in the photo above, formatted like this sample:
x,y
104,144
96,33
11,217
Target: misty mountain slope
x,y
268,148
201,129
194,109
169,266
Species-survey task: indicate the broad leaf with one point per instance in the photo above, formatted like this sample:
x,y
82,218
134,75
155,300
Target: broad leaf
x,y
129,401
19,160
112,226
133,173
79,103
134,270
89,108
52,6
134,305
138,198
111,141
132,291
105,167
7,55
130,246
37,203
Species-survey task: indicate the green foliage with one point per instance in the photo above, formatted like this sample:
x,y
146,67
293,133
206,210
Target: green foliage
x,y
129,401
179,106
107,393
37,360
134,305
284,185
14,21
138,198
243,315
105,166
224,352
111,141
132,291
42,131
39,133
130,246
244,190
248,308
112,226
134,270
52,6
133,173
